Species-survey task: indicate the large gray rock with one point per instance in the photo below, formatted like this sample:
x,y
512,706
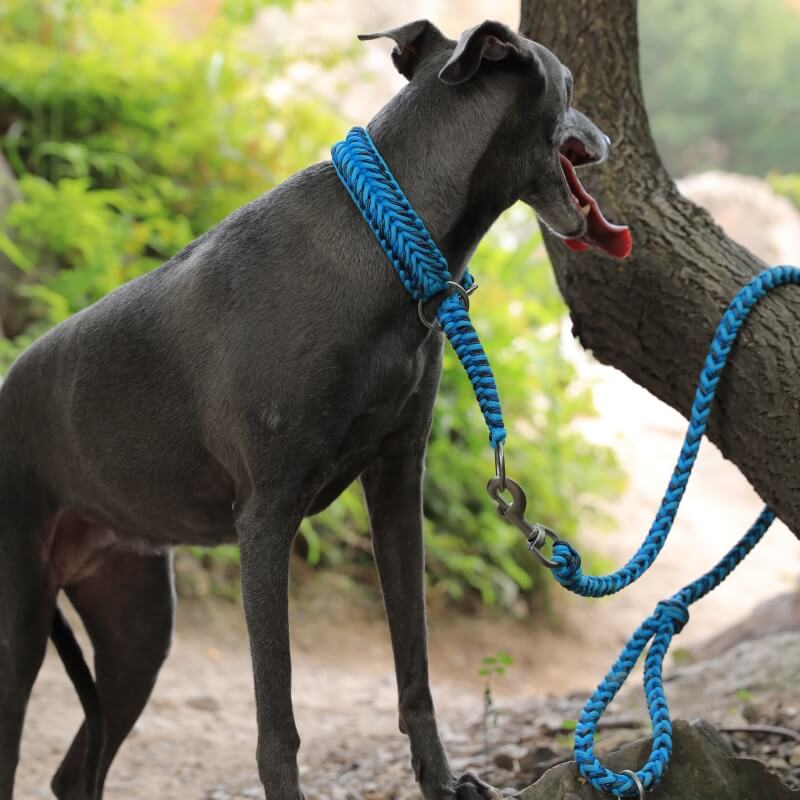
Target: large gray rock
x,y
779,614
761,668
703,768
750,211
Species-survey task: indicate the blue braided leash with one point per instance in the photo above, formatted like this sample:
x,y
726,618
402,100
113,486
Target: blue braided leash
x,y
423,271
670,615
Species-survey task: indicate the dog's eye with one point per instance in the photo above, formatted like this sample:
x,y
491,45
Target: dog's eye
x,y
568,85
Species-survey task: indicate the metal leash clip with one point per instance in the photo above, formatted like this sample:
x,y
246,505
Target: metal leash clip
x,y
513,512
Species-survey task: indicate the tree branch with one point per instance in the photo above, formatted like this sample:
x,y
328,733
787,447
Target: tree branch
x,y
653,315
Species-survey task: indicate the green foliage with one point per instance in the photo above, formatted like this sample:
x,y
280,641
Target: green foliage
x,y
495,665
129,139
204,571
681,656
787,185
720,80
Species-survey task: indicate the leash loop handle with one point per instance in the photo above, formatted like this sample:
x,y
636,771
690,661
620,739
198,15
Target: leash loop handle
x,y
671,615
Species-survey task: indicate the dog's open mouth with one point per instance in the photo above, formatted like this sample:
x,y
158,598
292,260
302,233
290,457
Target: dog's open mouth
x,y
613,239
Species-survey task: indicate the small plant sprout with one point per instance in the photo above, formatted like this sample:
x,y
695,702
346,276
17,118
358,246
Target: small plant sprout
x,y
491,666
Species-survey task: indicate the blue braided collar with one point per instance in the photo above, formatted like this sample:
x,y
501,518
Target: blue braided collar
x,y
408,245
417,260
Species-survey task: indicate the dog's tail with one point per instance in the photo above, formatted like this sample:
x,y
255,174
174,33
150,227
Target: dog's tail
x,y
75,664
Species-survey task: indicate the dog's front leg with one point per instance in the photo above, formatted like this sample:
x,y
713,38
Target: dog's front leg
x,y
266,531
393,488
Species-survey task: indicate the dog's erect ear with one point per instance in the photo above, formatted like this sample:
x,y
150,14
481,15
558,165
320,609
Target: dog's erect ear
x,y
411,41
491,40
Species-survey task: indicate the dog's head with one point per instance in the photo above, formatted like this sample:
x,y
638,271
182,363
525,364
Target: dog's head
x,y
538,138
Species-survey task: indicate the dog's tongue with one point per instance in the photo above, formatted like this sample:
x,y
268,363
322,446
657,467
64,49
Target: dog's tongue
x,y
614,239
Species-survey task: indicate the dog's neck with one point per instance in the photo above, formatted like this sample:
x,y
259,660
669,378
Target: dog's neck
x,y
435,157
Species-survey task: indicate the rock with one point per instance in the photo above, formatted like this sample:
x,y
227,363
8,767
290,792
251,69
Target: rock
x,y
538,754
203,703
508,757
779,614
742,679
703,768
749,211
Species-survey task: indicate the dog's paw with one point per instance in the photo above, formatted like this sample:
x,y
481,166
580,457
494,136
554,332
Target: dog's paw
x,y
471,787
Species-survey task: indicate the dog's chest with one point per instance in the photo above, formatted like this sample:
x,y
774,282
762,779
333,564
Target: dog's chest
x,y
395,403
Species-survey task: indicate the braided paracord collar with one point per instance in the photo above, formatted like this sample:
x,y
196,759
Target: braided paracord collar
x,y
418,262
423,271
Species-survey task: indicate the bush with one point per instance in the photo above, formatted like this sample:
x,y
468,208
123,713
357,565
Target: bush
x,y
130,140
787,185
720,80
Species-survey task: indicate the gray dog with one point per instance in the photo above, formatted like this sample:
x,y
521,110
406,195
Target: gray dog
x,y
243,385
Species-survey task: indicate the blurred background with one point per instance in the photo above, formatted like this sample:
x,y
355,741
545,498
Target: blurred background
x,y
128,128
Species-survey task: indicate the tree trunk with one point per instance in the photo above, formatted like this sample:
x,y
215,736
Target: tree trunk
x,y
9,274
653,315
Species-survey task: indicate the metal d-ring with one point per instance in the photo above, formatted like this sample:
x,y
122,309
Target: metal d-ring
x,y
636,781
459,289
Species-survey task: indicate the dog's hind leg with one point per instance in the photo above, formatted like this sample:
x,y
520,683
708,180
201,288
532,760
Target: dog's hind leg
x,y
27,603
127,607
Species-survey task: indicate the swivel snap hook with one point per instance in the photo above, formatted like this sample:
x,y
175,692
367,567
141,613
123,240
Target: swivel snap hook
x,y
513,513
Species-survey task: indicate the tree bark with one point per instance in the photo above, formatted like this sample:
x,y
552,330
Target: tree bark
x,y
653,315
9,274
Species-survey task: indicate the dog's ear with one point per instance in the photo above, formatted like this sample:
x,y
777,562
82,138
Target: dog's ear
x,y
411,43
490,40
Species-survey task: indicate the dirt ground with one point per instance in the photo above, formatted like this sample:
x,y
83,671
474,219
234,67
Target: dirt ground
x,y
198,730
197,736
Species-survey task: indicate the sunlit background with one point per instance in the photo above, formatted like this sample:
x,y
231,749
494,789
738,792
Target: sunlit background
x,y
128,128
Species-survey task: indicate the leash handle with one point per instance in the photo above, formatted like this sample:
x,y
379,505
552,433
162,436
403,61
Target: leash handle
x,y
667,620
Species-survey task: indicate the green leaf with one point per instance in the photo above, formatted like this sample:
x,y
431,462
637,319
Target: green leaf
x,y
14,254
